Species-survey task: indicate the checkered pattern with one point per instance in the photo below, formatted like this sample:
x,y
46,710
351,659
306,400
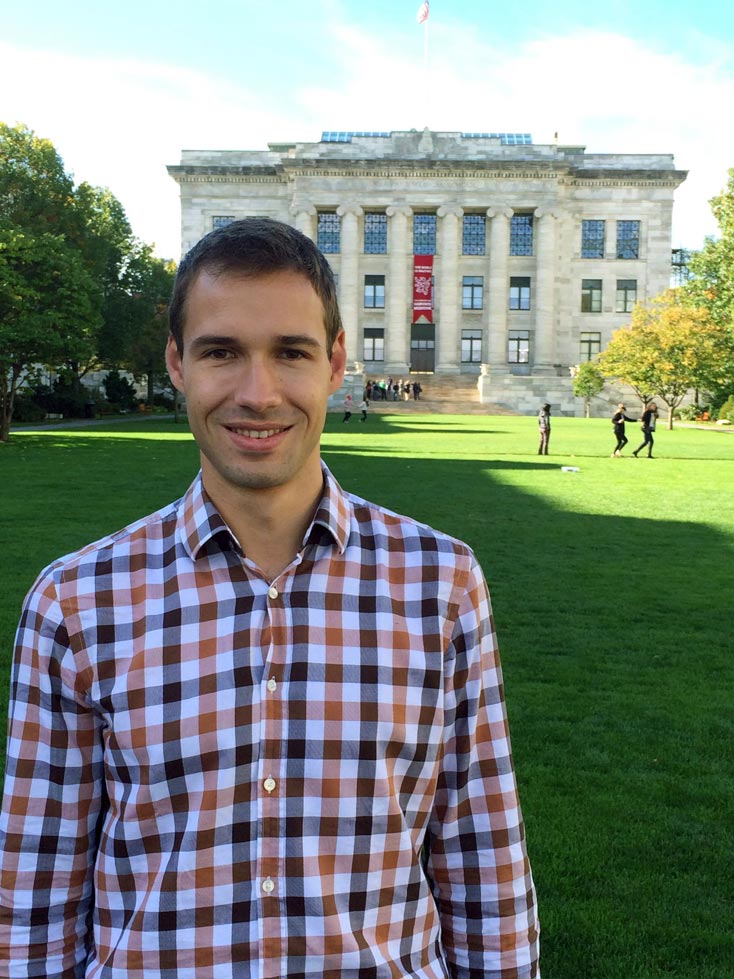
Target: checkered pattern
x,y
214,775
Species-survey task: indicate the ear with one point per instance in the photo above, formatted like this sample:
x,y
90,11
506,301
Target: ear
x,y
174,365
338,363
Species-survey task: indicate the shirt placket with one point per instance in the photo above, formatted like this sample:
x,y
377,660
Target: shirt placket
x,y
272,789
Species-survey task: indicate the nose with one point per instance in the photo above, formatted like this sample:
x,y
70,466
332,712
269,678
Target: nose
x,y
258,385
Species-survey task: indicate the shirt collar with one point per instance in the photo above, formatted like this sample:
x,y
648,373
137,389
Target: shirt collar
x,y
199,521
333,513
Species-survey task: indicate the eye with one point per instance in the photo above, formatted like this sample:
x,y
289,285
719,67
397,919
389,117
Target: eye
x,y
293,353
218,353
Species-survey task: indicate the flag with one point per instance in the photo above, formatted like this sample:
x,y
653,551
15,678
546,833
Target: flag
x,y
422,14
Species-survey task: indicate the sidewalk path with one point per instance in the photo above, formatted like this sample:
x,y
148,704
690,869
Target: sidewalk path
x,y
63,424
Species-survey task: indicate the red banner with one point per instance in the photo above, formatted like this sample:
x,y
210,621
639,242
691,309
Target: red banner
x,y
423,288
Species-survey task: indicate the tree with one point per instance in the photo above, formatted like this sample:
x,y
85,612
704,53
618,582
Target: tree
x,y
670,348
36,193
711,285
93,248
135,331
46,310
588,381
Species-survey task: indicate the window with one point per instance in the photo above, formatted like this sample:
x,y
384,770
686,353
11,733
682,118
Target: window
x,y
374,292
221,220
521,234
518,347
626,295
474,237
628,239
591,295
374,344
424,234
519,292
472,291
590,345
328,232
471,346
375,234
592,239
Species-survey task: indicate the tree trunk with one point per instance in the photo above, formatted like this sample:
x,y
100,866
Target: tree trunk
x,y
150,394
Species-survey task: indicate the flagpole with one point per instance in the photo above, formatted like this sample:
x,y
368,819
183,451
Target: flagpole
x,y
422,18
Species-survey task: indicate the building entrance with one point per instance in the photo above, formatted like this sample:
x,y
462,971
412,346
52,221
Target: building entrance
x,y
423,347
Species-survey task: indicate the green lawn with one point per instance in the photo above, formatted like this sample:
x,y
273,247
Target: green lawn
x,y
613,590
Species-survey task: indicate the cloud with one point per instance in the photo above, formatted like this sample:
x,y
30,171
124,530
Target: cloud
x,y
118,122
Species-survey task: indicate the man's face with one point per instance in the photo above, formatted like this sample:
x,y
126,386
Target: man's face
x,y
256,375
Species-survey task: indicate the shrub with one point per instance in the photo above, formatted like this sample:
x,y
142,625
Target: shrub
x,y
27,409
63,398
727,409
120,391
688,412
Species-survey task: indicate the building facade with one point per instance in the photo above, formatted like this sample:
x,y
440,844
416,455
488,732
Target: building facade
x,y
460,253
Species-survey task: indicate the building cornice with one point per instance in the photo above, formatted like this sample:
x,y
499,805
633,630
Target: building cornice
x,y
376,169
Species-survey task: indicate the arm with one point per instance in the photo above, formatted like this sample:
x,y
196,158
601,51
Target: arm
x,y
476,848
52,802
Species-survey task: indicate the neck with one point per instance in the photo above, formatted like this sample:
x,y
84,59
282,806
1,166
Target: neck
x,y
268,522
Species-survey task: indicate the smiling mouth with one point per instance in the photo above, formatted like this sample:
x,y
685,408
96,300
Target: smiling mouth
x,y
256,433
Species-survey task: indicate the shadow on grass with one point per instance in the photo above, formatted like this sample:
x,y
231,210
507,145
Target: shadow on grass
x,y
616,659
615,636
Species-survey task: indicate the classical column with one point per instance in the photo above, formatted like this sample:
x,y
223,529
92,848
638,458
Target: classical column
x,y
305,219
545,281
349,291
499,287
398,294
449,344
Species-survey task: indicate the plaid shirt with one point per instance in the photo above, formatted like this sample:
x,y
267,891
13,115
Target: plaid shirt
x,y
214,775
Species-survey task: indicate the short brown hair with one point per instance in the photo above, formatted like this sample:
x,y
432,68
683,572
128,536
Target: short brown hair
x,y
255,247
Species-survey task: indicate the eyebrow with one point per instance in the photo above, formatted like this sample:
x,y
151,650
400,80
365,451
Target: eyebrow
x,y
284,340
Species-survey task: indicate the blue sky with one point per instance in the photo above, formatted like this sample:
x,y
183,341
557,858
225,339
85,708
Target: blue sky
x,y
122,89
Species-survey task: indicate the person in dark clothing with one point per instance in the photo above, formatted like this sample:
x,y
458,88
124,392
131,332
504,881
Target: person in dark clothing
x,y
618,420
648,420
544,424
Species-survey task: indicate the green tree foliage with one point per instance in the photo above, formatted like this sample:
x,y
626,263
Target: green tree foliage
x,y
669,348
588,381
135,330
711,285
36,193
46,312
117,284
712,269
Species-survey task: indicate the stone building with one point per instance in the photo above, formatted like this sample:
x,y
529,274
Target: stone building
x,y
460,253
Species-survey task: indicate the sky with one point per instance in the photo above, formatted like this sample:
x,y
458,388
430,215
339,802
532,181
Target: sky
x,y
121,89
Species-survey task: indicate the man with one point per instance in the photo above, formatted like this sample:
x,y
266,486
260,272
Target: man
x,y
544,425
261,733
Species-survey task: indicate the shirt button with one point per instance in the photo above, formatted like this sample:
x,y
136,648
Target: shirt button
x,y
272,592
269,784
272,685
268,885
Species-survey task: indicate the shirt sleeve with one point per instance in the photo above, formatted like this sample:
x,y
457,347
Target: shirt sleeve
x,y
52,801
475,855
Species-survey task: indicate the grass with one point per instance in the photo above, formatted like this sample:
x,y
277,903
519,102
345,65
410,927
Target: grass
x,y
613,590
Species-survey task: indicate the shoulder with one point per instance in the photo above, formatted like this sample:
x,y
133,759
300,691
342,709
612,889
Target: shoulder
x,y
130,546
404,538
